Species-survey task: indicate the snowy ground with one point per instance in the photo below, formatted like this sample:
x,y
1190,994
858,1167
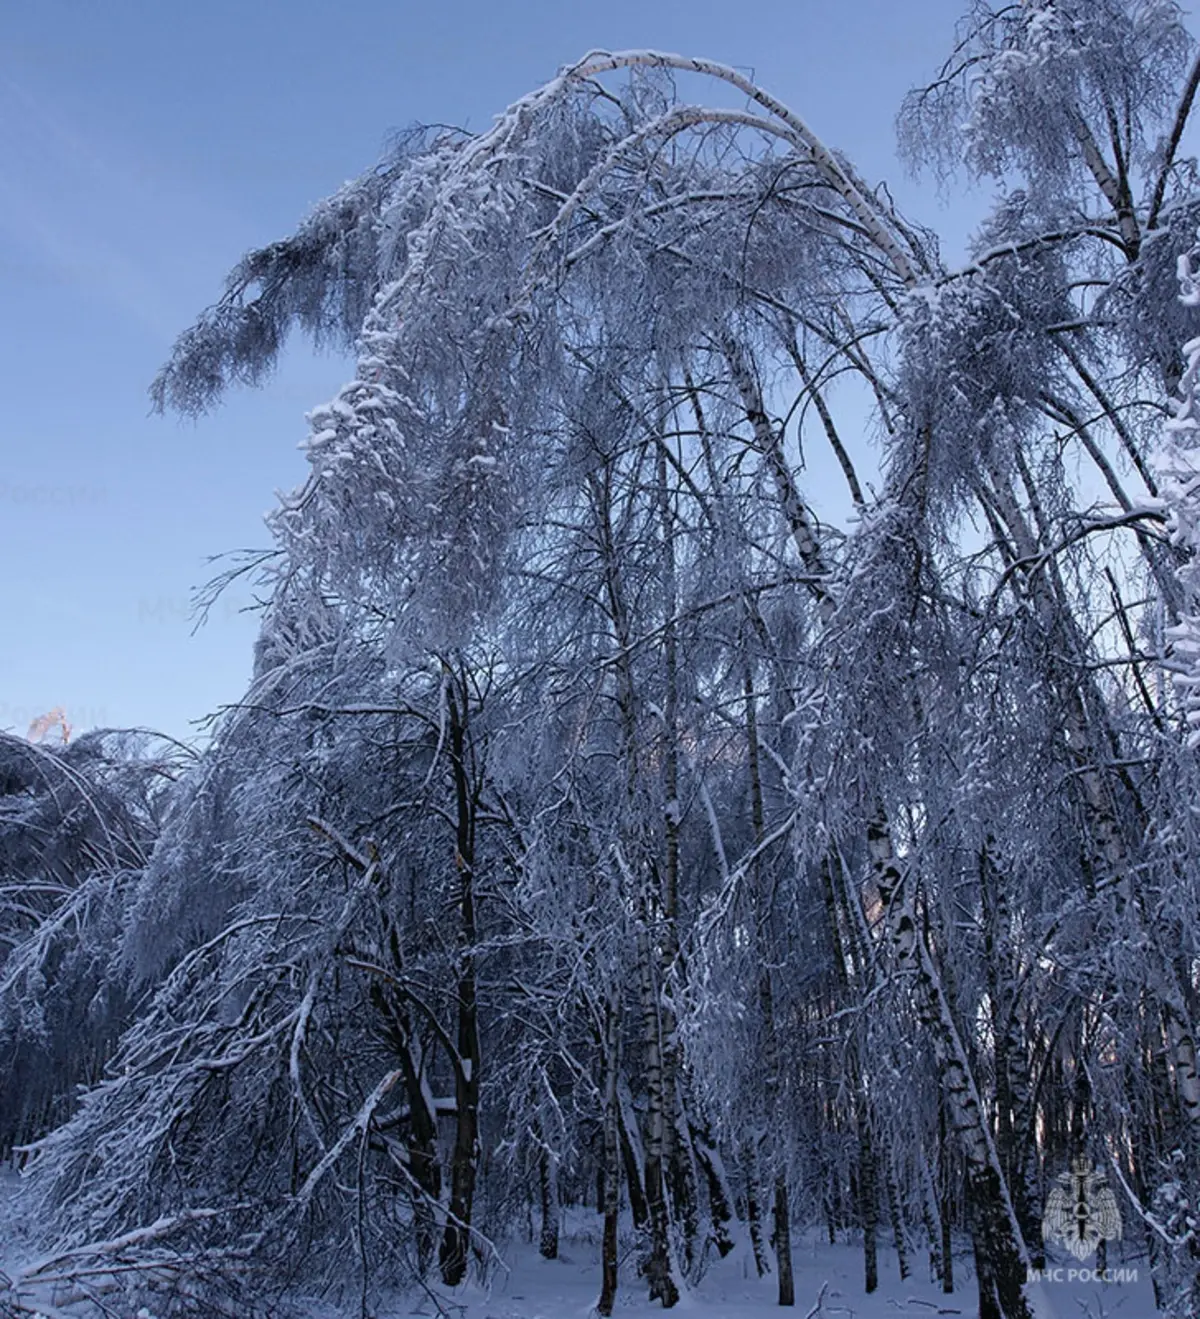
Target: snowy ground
x,y
828,1284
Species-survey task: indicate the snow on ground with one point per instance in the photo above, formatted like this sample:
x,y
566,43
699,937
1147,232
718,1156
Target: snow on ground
x,y
829,1284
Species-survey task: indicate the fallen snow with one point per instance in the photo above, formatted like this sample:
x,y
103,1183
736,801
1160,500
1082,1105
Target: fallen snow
x,y
828,1283
828,1286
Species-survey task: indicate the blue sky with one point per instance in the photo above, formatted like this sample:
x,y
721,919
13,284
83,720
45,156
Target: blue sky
x,y
144,147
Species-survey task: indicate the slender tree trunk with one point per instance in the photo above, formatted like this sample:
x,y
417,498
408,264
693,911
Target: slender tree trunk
x,y
426,1172
659,1267
868,1199
967,1115
632,1156
611,1206
720,1201
947,1201
682,1171
782,1241
947,1249
991,1196
659,1270
754,1210
424,1168
781,1236
1015,1144
932,1220
677,1154
548,1185
453,1254
781,1233
901,1245
769,443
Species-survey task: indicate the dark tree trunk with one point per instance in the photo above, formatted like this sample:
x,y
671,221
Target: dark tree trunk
x,y
452,1257
868,1200
989,1302
659,1272
947,1253
720,1202
754,1211
627,1131
1005,1279
548,1185
782,1241
947,1204
611,1206
781,1235
680,1172
1016,1146
424,1168
931,1218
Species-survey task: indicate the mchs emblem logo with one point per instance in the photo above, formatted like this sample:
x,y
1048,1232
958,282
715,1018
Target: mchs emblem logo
x,y
1081,1211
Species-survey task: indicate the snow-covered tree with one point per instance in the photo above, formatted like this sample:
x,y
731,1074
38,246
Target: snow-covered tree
x,y
599,815
77,826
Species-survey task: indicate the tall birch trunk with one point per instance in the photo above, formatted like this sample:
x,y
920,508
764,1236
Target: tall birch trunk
x,y
897,1220
781,1239
994,1221
659,1268
997,1225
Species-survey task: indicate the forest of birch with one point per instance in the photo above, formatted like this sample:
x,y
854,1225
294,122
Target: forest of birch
x,y
721,757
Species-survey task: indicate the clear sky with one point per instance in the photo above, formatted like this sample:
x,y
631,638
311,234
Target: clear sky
x,y
144,146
